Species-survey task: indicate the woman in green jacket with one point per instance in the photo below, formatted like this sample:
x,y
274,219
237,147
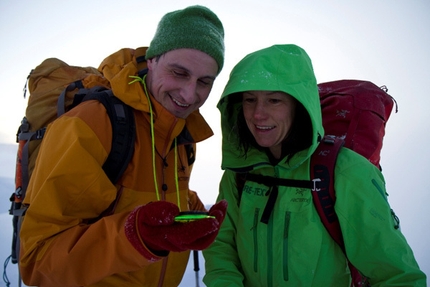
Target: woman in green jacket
x,y
271,125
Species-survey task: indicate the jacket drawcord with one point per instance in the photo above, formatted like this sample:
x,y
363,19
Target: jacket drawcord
x,y
142,80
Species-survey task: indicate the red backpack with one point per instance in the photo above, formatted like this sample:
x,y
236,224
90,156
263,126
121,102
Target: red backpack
x,y
356,111
354,114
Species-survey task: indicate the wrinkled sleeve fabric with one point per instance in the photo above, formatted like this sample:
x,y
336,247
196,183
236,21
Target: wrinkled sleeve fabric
x,y
69,186
222,263
373,244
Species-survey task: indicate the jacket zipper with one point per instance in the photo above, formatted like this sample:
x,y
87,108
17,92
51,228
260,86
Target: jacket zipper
x,y
285,245
270,252
164,186
166,150
254,232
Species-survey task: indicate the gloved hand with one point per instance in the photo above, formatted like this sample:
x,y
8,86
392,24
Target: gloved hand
x,y
156,226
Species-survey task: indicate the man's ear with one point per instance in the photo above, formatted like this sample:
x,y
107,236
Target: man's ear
x,y
150,63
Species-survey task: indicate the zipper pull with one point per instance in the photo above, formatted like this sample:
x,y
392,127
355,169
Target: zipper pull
x,y
396,220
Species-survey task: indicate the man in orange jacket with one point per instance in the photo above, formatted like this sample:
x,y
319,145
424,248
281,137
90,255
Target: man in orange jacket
x,y
140,243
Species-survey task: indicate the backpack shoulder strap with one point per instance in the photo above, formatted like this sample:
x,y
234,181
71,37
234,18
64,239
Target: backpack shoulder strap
x,y
123,139
323,163
123,131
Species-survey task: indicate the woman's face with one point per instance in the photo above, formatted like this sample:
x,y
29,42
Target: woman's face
x,y
269,116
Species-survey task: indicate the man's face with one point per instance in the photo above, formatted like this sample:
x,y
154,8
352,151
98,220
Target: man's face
x,y
181,80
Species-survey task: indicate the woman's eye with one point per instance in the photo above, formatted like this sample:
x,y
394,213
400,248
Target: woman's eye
x,y
274,101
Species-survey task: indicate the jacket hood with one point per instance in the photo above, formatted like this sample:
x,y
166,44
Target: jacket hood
x,y
119,68
285,68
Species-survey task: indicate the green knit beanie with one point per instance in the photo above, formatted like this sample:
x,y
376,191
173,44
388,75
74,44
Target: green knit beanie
x,y
195,27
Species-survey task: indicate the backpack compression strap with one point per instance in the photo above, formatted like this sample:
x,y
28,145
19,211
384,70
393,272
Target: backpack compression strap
x,y
323,162
272,183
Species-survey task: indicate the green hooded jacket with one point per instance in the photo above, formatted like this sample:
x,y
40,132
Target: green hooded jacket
x,y
293,248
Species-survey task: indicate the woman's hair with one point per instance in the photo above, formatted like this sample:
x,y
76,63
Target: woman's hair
x,y
299,137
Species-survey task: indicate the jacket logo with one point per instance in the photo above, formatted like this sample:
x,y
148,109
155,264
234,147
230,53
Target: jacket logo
x,y
342,113
300,192
257,191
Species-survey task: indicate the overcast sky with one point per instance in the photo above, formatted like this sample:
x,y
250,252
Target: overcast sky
x,y
384,41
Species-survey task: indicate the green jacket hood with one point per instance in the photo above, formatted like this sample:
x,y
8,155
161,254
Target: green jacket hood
x,y
285,68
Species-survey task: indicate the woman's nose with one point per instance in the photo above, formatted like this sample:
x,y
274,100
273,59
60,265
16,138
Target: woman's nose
x,y
260,111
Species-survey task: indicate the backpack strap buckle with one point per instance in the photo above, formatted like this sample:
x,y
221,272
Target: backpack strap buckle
x,y
315,184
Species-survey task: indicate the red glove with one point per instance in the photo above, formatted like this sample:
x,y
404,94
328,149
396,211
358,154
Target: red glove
x,y
154,224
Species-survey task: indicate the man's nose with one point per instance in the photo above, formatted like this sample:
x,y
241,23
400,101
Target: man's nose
x,y
189,92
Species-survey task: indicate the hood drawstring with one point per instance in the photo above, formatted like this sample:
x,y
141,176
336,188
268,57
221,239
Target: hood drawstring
x,y
142,81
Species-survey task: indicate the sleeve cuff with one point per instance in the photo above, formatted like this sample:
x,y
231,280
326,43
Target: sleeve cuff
x,y
132,233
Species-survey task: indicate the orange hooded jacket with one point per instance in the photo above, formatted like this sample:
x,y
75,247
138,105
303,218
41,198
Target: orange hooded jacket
x,y
68,186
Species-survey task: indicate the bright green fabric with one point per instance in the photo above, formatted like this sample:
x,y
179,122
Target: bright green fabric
x,y
294,249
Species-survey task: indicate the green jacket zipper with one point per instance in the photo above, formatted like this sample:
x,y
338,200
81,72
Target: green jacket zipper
x,y
270,252
285,245
255,233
